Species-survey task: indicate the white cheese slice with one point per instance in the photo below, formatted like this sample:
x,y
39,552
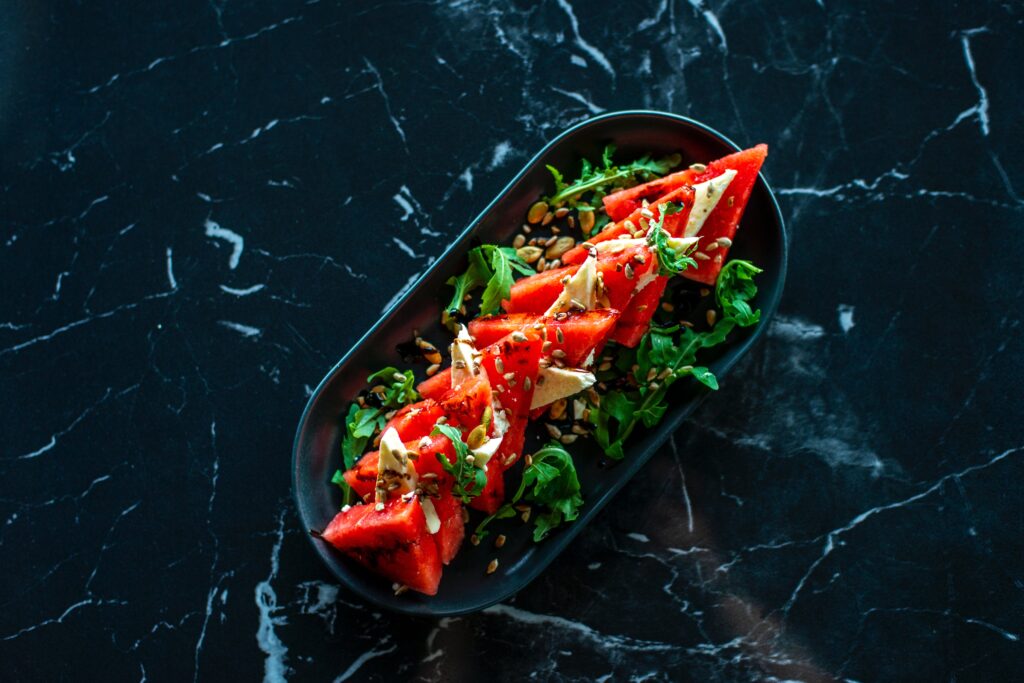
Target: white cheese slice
x,y
464,357
433,521
618,245
394,457
501,423
581,288
555,383
483,455
705,198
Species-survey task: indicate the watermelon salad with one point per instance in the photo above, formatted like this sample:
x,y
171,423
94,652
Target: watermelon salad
x,y
582,325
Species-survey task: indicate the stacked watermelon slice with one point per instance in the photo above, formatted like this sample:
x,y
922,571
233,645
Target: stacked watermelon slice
x,y
409,533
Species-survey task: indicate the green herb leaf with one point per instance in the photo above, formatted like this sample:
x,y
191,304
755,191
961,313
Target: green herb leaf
x,y
469,479
491,267
671,261
595,182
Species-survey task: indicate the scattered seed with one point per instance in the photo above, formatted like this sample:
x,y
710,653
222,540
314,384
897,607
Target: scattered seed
x,y
474,539
518,336
718,258
731,200
527,229
704,291
554,431
711,247
401,589
586,221
442,420
493,566
559,247
465,515
653,386
667,307
651,374
646,213
528,459
525,516
519,241
558,353
640,258
509,375
559,335
542,264
724,241
527,384
629,272
595,398
557,410
561,213
701,256
432,369
554,264
546,347
433,357
568,438
529,254
548,217
604,367
578,429
699,168
537,212
711,316
571,221
664,373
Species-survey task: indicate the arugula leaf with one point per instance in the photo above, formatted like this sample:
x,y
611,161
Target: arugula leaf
x,y
671,352
550,481
469,479
361,423
599,181
671,261
490,266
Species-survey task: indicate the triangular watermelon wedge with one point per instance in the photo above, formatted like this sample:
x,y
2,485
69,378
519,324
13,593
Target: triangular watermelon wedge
x,y
724,221
576,334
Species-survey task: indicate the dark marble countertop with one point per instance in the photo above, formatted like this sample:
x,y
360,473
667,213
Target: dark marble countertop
x,y
205,204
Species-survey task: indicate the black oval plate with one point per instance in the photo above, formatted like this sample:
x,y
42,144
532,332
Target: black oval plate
x,y
465,587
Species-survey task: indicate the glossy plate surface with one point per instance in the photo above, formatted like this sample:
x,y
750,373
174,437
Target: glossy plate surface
x,y
465,587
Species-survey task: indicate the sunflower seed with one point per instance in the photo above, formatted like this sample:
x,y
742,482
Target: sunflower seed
x,y
432,369
554,431
711,316
519,241
560,213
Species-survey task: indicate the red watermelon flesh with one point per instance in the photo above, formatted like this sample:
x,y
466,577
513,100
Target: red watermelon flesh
x,y
582,332
415,420
436,386
393,542
416,564
637,319
449,536
536,293
465,404
621,204
362,526
520,358
493,494
511,447
725,219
